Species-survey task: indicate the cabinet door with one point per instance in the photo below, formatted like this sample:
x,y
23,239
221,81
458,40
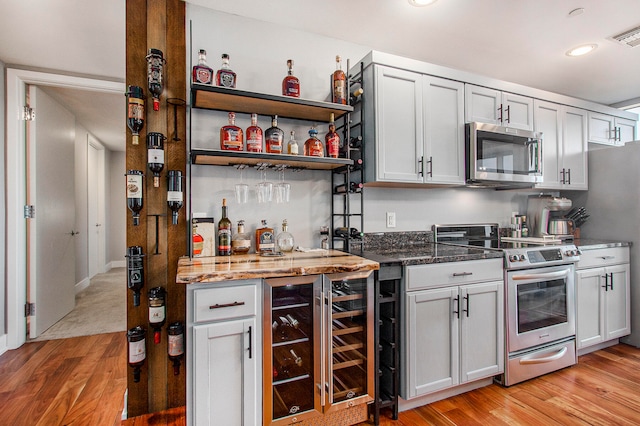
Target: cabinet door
x,y
225,373
517,111
443,130
617,319
574,148
482,104
398,118
589,307
481,330
548,120
601,128
432,348
626,130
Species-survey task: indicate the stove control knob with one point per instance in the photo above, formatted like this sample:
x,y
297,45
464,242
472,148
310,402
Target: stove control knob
x,y
571,253
513,258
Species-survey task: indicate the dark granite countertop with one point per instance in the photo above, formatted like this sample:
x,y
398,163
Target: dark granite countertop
x,y
428,253
596,243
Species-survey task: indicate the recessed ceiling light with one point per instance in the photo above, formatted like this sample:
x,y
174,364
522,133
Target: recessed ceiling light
x,y
582,50
420,3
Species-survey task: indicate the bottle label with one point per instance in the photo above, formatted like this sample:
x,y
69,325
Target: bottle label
x,y
134,186
241,244
203,75
231,138
333,145
316,149
266,242
254,139
156,314
274,144
137,352
339,92
292,87
155,156
136,108
293,148
197,245
176,344
174,196
224,240
226,79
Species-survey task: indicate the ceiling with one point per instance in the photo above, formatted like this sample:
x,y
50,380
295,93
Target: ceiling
x,y
514,40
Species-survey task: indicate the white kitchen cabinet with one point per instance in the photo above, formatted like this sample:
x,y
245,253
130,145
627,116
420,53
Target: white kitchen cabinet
x,y
602,296
609,130
453,334
492,106
564,145
224,354
418,124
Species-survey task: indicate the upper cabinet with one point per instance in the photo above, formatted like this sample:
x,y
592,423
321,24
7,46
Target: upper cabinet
x,y
492,106
609,130
417,124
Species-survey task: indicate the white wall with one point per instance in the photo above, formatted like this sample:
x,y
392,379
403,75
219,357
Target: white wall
x,y
2,206
116,219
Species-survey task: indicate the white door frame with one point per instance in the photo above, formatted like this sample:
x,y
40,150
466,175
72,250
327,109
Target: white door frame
x,y
15,244
98,174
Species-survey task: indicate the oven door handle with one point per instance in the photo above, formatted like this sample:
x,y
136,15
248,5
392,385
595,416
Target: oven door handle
x,y
542,360
542,276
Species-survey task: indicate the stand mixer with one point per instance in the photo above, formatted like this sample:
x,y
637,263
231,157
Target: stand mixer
x,y
540,212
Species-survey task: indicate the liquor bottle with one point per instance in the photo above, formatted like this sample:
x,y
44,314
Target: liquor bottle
x,y
313,147
155,65
155,155
174,193
348,232
134,194
332,140
198,241
265,241
241,241
339,84
290,84
224,232
254,135
231,135
225,77
284,240
350,187
137,350
292,146
135,272
273,137
135,112
157,311
202,73
175,346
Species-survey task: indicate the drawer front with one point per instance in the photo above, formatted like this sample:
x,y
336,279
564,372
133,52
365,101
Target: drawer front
x,y
603,257
211,304
453,273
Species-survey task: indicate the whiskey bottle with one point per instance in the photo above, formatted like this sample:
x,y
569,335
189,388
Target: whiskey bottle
x,y
241,241
197,240
231,135
224,232
339,84
332,140
225,76
313,147
202,73
290,84
254,135
284,240
265,240
292,147
273,137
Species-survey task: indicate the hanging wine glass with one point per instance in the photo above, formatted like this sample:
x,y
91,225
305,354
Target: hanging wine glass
x,y
264,189
242,189
282,189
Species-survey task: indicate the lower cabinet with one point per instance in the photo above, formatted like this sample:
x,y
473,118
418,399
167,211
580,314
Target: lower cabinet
x,y
453,334
602,295
224,354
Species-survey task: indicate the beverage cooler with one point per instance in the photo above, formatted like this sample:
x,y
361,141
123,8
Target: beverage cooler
x,y
318,351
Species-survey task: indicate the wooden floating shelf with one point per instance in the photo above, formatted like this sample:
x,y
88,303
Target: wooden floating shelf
x,y
217,157
241,101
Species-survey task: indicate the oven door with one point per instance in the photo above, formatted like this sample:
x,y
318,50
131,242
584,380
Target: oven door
x,y
540,306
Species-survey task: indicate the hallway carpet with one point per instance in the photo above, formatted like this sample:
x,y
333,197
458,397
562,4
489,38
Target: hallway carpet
x,y
100,308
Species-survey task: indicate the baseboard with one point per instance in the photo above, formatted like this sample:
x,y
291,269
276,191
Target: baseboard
x,y
3,344
82,285
597,347
115,264
409,404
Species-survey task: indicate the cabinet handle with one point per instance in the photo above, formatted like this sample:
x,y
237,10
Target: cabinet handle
x,y
509,114
226,305
468,299
569,178
562,174
430,166
462,274
500,109
457,302
250,344
421,166
611,280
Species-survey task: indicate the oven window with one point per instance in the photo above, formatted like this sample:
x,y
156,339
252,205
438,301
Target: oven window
x,y
506,156
541,305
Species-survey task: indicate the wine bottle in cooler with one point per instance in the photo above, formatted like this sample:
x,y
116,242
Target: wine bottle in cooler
x,y
174,193
155,155
134,194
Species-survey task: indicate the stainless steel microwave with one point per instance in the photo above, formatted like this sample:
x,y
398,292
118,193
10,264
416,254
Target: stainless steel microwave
x,y
502,156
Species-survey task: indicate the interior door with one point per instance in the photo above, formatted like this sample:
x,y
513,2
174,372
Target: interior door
x,y
50,188
95,207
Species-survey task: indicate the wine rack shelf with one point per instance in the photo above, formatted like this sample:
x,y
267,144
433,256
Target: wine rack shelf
x,y
218,157
242,101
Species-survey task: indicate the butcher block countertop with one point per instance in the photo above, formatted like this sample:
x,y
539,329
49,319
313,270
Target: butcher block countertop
x,y
247,266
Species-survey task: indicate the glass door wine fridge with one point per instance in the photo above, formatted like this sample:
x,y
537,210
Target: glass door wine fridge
x,y
318,355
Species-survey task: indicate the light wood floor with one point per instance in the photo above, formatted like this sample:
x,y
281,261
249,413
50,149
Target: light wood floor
x,y
81,381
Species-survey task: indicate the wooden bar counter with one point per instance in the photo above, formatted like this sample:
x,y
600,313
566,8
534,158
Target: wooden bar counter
x,y
247,266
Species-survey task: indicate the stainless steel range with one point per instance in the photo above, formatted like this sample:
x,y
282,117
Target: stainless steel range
x,y
539,298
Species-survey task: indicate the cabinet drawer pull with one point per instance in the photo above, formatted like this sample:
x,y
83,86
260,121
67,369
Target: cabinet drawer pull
x,y
607,257
226,305
462,274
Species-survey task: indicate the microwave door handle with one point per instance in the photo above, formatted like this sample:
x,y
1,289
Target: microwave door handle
x,y
542,276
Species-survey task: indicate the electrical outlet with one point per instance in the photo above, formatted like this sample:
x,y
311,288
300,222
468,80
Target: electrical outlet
x,y
391,219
